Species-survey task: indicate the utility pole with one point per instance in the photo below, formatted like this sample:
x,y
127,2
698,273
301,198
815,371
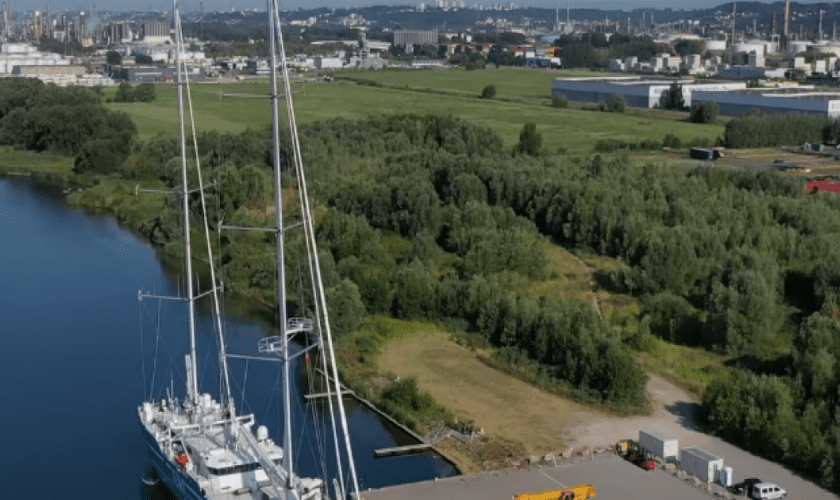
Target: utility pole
x,y
202,20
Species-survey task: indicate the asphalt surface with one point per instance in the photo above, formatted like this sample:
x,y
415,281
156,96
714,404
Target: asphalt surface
x,y
613,477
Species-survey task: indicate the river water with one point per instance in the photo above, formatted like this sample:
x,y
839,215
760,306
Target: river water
x,y
77,344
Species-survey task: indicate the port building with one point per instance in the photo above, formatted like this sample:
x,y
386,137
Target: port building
x,y
637,91
803,99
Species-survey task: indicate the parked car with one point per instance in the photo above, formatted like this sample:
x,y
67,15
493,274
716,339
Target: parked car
x,y
767,491
745,486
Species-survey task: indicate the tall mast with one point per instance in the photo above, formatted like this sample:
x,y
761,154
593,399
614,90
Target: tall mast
x,y
320,296
192,383
281,272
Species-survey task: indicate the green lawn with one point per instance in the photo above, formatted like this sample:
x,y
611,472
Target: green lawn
x,y
510,83
574,130
19,161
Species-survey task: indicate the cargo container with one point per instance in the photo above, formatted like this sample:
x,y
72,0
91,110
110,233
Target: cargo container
x,y
700,464
704,154
658,445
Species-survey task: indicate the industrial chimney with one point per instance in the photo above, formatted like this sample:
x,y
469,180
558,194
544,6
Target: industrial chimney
x,y
787,18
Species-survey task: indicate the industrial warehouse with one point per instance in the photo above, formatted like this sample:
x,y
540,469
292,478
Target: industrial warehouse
x,y
803,99
642,93
732,98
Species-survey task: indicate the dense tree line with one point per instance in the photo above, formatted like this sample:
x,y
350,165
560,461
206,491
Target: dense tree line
x,y
756,130
414,237
593,50
145,92
790,417
68,120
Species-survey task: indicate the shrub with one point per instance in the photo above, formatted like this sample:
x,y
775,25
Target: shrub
x,y
616,104
488,92
704,112
671,141
559,101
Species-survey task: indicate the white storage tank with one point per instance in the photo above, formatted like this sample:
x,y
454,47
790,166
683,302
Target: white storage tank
x,y
701,464
658,445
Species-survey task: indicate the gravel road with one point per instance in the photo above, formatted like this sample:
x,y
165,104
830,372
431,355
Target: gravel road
x,y
676,416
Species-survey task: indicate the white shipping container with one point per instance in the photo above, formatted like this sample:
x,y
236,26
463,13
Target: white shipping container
x,y
700,464
658,444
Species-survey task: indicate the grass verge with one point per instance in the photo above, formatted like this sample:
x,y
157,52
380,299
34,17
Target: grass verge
x,y
691,368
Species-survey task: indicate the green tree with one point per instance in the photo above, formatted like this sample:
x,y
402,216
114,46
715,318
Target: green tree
x,y
347,311
704,112
113,58
488,92
530,141
125,93
143,59
616,104
145,92
673,98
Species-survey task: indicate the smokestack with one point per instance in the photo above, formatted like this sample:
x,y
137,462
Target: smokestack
x,y
734,14
787,18
820,30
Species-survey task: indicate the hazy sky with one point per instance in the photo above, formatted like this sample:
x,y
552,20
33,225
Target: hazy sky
x,y
189,5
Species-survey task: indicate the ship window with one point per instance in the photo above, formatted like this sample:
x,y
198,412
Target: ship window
x,y
235,469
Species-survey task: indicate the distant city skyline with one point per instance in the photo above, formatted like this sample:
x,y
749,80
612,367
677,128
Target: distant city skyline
x,y
225,5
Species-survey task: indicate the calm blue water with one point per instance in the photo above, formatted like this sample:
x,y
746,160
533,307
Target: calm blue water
x,y
72,359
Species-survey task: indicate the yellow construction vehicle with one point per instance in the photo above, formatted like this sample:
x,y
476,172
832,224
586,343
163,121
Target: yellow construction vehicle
x,y
581,492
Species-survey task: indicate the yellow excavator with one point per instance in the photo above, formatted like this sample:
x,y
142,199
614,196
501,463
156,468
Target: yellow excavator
x,y
581,492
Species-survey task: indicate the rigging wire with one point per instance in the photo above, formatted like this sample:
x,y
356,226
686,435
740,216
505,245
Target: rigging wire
x,y
142,351
313,257
244,384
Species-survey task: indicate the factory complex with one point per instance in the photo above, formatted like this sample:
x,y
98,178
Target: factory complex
x,y
732,98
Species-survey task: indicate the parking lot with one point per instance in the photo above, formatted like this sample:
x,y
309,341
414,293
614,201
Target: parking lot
x,y
613,477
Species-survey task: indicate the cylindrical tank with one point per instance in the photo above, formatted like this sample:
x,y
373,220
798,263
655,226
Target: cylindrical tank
x,y
726,477
798,47
748,47
715,45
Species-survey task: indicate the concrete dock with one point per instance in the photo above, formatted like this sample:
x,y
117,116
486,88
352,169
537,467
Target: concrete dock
x,y
613,477
401,450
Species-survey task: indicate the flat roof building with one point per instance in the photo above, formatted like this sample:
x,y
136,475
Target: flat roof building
x,y
638,92
803,99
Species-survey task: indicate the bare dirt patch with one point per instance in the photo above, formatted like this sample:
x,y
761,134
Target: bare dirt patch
x,y
506,408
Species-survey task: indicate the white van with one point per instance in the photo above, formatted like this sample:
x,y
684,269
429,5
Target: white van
x,y
767,491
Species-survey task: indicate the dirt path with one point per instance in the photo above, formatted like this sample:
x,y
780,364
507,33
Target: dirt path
x,y
592,288
674,413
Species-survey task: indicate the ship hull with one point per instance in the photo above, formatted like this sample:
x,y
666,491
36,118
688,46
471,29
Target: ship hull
x,y
181,485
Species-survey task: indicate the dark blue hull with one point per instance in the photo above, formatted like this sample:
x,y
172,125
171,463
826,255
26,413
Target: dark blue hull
x,y
181,485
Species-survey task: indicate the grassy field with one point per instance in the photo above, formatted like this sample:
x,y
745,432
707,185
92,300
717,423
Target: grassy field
x,y
573,130
510,83
45,164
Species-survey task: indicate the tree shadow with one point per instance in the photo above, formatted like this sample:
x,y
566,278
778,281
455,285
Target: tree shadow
x,y
779,366
606,280
688,414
